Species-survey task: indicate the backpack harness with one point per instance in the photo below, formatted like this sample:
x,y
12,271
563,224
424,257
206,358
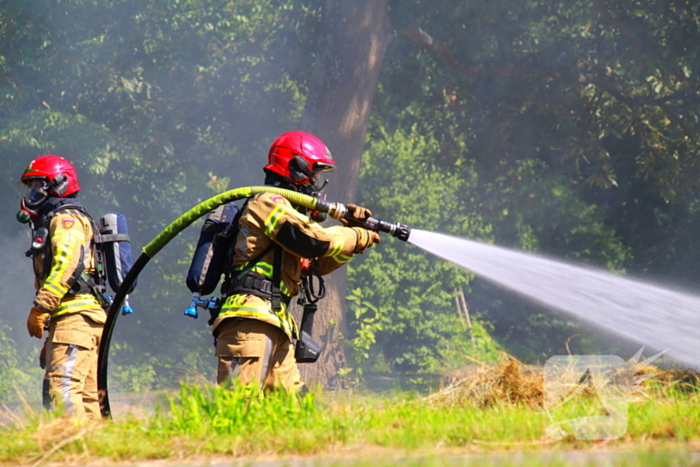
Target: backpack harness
x,y
213,258
81,282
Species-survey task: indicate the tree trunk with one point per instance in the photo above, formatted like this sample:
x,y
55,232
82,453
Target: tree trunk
x,y
350,52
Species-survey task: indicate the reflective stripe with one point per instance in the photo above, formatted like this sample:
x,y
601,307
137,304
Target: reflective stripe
x,y
232,365
266,270
342,258
236,305
338,244
80,302
247,312
262,268
273,219
266,361
65,242
68,369
57,289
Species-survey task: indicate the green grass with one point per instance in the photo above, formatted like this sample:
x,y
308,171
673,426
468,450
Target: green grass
x,y
214,421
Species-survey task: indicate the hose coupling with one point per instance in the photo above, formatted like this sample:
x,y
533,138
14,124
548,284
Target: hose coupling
x,y
335,210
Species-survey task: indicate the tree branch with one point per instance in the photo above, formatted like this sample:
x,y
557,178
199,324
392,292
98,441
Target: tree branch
x,y
640,44
468,68
610,19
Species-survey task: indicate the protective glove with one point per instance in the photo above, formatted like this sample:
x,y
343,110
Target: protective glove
x,y
365,239
36,322
359,215
42,355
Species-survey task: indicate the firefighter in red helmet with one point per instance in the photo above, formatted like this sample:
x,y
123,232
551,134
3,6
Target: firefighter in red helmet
x,y
254,331
65,303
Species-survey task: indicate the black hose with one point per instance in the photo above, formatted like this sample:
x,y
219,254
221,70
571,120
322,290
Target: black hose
x,y
112,314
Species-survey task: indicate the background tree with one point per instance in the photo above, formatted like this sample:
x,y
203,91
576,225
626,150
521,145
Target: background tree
x,y
565,128
349,56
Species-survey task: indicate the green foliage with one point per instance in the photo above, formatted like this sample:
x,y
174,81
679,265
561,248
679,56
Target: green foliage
x,y
157,104
577,120
367,322
578,139
20,375
533,208
459,350
410,294
234,411
206,421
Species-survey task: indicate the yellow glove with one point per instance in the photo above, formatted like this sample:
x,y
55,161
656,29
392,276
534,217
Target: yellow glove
x,y
36,322
365,239
358,213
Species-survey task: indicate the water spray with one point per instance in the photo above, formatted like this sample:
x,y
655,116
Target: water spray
x,y
651,315
335,210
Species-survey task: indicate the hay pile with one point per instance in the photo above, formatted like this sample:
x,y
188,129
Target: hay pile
x,y
509,381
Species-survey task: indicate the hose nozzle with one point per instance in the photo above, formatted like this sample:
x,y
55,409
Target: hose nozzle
x,y
339,211
398,230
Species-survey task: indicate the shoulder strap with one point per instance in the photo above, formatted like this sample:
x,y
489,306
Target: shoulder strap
x,y
81,281
46,223
251,264
276,278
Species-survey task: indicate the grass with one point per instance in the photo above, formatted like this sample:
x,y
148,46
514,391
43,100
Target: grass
x,y
492,409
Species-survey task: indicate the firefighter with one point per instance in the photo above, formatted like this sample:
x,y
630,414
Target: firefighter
x,y
254,330
65,279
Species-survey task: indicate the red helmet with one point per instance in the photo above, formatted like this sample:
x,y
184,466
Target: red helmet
x,y
47,175
300,157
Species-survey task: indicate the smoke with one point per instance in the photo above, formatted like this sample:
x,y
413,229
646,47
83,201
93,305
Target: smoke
x,y
16,289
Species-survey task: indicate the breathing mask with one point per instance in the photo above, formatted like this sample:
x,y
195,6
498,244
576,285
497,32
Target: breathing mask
x,y
35,194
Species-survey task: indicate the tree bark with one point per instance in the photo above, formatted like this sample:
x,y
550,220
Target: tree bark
x,y
352,42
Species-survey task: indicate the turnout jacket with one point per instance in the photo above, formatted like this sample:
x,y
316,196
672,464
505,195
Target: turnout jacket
x,y
267,218
71,238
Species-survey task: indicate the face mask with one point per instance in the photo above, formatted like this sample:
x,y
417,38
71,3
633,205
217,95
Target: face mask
x,y
36,192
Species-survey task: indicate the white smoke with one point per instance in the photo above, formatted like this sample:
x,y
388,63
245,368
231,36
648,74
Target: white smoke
x,y
16,285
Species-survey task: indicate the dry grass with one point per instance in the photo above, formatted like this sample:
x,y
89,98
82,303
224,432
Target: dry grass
x,y
511,381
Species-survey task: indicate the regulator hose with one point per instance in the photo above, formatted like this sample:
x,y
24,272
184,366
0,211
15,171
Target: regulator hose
x,y
335,210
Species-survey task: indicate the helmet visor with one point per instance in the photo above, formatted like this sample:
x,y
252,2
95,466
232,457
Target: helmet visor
x,y
36,191
318,176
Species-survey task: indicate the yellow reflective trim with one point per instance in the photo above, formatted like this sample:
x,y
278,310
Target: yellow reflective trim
x,y
90,302
57,289
245,311
274,217
264,269
84,296
342,259
66,243
235,306
338,244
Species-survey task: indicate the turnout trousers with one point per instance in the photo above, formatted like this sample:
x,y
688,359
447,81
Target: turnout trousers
x,y
255,352
70,380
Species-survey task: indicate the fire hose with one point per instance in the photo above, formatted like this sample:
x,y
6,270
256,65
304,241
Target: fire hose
x,y
335,210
